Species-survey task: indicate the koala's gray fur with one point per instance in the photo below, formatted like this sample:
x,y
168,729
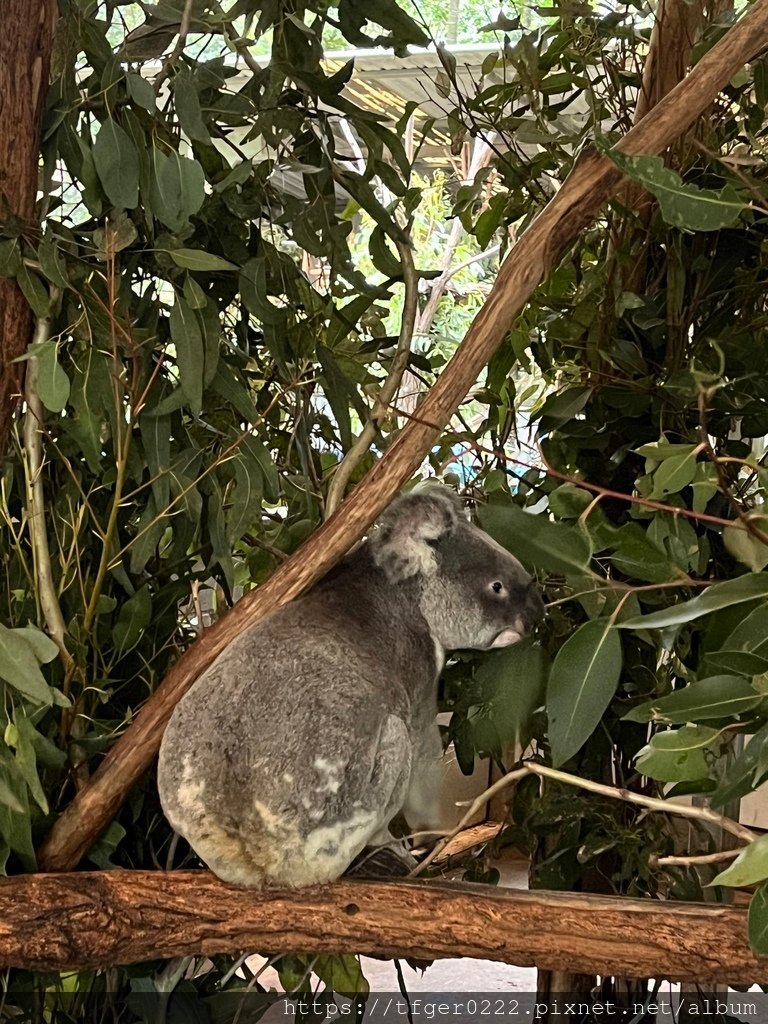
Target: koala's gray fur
x,y
303,740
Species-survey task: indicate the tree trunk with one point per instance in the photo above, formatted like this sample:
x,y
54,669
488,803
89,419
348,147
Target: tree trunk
x,y
25,53
105,918
677,27
593,180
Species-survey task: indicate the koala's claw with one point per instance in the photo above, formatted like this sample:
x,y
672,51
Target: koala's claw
x,y
392,861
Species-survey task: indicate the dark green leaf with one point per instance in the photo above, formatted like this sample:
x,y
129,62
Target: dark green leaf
x,y
26,758
758,921
51,262
188,107
719,595
513,683
582,682
133,619
536,541
117,165
44,648
744,773
34,291
141,92
196,259
177,188
717,697
52,381
19,667
188,341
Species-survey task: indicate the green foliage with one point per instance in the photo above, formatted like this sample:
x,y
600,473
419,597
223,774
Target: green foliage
x,y
581,684
219,324
687,207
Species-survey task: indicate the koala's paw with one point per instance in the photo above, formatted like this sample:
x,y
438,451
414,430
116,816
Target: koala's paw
x,y
382,862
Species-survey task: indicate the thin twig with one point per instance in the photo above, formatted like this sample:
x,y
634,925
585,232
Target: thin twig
x,y
176,52
240,47
696,859
486,254
651,803
34,420
360,448
605,492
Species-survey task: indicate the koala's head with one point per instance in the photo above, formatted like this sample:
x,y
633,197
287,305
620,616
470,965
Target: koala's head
x,y
473,593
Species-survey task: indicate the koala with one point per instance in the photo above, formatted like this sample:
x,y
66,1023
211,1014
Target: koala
x,y
298,746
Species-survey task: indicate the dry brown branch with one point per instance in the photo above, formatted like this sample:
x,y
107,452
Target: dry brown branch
x,y
651,803
591,183
695,859
106,918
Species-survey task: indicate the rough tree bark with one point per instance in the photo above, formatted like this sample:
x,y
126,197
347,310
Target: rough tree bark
x,y
25,54
593,180
106,918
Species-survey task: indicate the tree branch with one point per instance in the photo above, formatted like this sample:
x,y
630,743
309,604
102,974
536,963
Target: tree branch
x,y
652,803
34,425
592,181
25,53
105,918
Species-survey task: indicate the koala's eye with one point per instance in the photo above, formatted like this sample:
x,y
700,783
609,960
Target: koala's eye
x,y
498,587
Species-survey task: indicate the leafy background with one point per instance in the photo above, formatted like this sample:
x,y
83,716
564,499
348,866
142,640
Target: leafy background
x,y
209,343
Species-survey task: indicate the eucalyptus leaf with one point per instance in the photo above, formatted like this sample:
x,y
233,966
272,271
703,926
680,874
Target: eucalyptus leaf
x,y
678,755
745,771
512,684
133,619
536,541
34,291
52,383
117,165
19,667
188,341
177,189
683,205
44,648
196,259
757,920
188,109
141,92
26,760
749,867
582,682
719,595
674,474
716,697
746,548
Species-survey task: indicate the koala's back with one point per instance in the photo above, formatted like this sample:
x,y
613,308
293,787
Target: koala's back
x,y
307,734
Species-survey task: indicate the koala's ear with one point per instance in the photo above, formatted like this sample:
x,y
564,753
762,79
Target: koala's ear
x,y
401,545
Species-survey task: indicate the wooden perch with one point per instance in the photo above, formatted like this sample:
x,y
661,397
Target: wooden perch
x,y
106,918
592,181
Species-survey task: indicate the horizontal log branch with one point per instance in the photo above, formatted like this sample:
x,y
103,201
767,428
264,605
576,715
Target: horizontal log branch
x,y
105,918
